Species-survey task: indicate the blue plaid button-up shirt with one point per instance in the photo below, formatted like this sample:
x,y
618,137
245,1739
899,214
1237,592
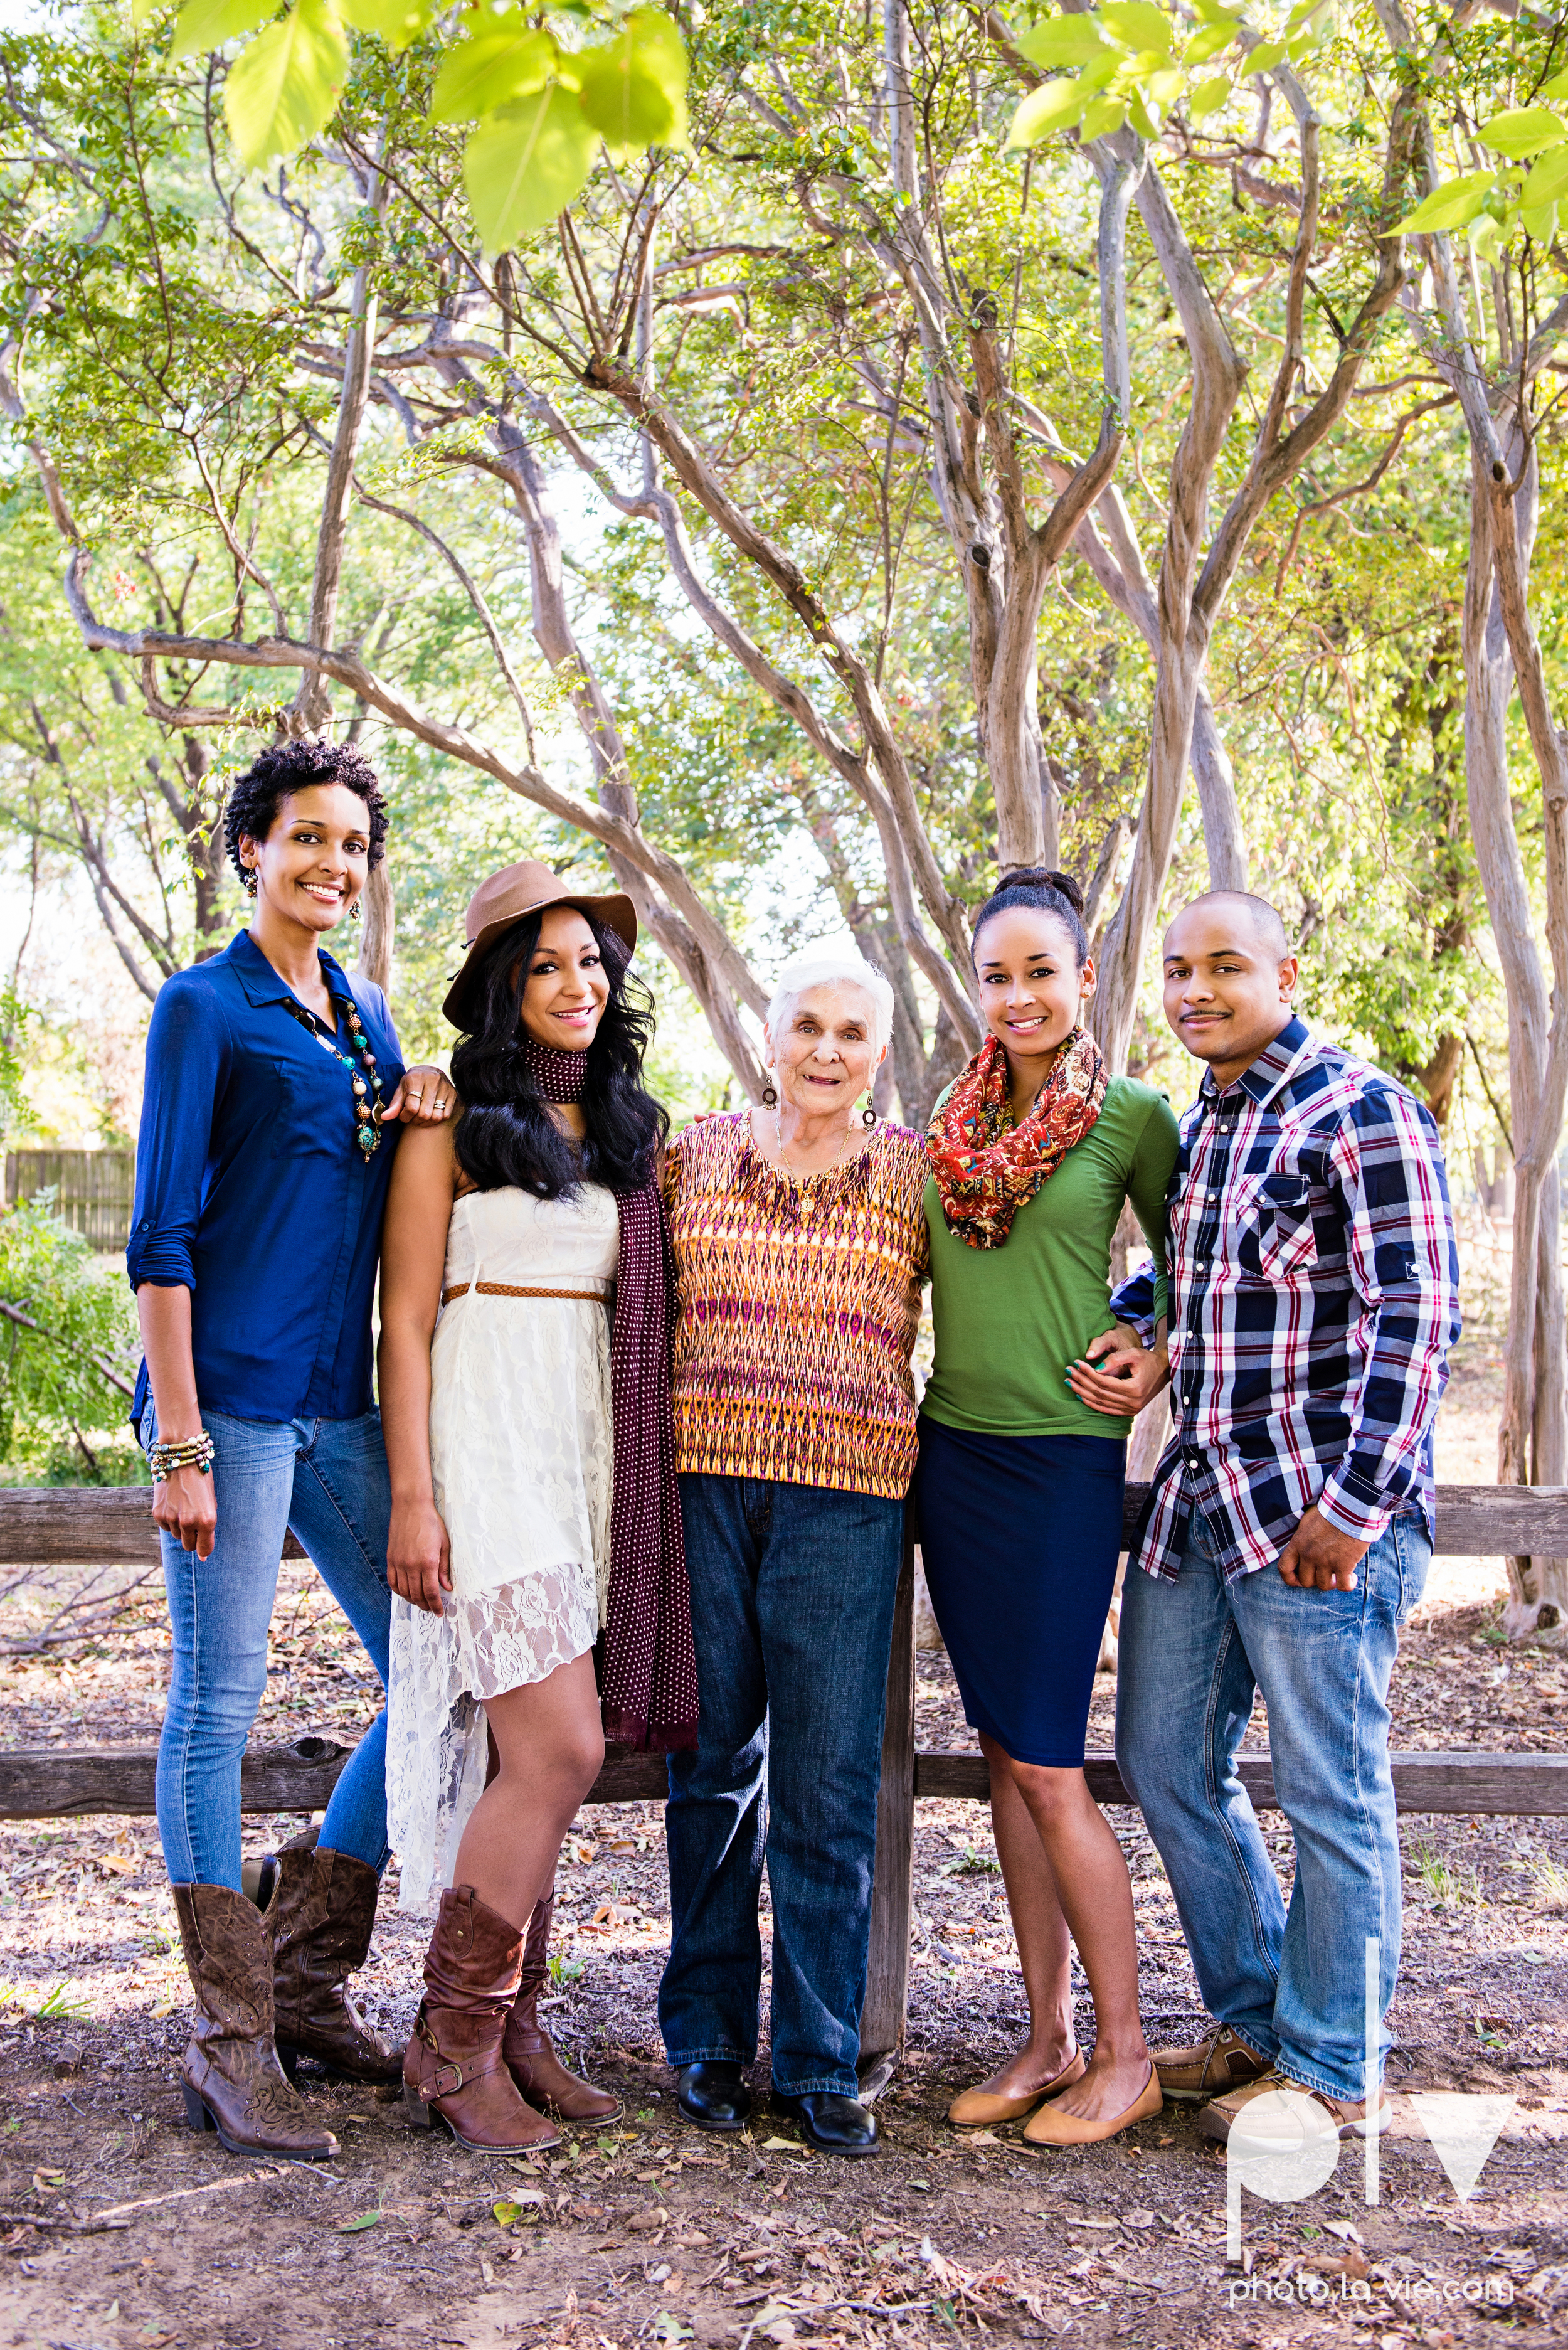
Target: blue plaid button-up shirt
x,y
1313,1300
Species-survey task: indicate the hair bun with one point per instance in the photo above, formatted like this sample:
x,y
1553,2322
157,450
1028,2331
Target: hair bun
x,y
1042,876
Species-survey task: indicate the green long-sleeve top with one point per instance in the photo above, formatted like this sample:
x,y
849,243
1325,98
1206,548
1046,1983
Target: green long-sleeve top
x,y
1008,1321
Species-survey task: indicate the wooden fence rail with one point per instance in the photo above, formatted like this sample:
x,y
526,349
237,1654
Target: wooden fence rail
x,y
113,1526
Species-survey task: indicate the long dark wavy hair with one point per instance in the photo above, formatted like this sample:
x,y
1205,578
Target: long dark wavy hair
x,y
505,1134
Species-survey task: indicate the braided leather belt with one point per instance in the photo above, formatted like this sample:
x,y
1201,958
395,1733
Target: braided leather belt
x,y
505,1289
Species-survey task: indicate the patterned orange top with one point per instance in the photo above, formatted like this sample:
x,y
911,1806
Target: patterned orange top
x,y
797,1299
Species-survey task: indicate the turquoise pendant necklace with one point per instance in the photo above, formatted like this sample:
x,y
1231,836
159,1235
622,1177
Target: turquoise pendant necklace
x,y
364,1080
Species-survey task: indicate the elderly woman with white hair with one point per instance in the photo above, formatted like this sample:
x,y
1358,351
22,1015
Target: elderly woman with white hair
x,y
800,1245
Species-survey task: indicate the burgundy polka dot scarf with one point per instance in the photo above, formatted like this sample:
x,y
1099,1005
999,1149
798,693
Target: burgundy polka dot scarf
x,y
648,1670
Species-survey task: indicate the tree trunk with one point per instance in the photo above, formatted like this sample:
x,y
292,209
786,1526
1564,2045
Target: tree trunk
x,y
379,918
1533,1440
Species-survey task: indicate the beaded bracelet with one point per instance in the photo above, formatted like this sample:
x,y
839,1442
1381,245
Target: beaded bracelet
x,y
192,1452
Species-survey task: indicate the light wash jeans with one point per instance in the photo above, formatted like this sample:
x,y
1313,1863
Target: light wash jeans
x,y
1192,1653
792,1616
324,1480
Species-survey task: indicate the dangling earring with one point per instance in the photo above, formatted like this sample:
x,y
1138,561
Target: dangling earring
x,y
253,880
770,1094
869,1115
354,911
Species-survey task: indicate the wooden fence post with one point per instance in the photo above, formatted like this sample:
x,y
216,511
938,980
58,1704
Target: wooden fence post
x,y
892,1885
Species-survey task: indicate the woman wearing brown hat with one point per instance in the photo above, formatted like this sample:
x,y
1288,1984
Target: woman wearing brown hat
x,y
534,1496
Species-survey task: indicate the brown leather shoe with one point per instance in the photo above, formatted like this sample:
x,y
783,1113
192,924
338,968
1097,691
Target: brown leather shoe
x,y
1210,2068
531,2059
231,2078
453,2069
322,1916
972,2107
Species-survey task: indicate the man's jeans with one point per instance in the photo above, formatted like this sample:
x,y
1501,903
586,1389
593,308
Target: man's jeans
x,y
324,1480
1191,1655
791,1611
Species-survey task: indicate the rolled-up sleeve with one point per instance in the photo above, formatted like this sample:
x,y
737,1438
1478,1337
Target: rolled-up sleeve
x,y
1404,1268
188,1055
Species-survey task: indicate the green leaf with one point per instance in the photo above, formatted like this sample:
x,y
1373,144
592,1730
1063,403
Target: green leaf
x,y
1104,68
1540,221
1523,132
1556,88
1264,58
205,25
365,2220
281,90
1166,86
1209,43
1450,207
1212,12
628,91
1063,41
1101,117
1209,97
480,75
397,22
1145,120
526,162
1053,106
1487,236
1137,24
1547,181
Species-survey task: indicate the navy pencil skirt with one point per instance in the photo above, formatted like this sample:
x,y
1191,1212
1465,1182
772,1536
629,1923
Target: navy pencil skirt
x,y
1020,1536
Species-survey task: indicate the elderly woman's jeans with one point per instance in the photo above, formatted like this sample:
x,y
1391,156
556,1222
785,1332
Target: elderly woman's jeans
x,y
792,1611
326,1481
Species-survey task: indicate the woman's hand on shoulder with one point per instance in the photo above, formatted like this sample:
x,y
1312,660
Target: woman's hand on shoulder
x,y
1118,1374
425,1096
418,1556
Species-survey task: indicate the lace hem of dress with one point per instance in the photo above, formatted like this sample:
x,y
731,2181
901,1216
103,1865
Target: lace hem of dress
x,y
443,1667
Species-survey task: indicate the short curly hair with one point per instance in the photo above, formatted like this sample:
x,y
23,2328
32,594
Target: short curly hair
x,y
254,796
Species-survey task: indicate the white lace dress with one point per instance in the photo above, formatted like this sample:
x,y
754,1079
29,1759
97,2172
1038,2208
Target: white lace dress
x,y
520,1453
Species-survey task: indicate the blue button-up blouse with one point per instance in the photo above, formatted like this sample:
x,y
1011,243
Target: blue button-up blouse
x,y
252,1193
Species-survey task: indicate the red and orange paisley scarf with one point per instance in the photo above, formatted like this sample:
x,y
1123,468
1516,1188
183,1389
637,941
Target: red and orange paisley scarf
x,y
986,1167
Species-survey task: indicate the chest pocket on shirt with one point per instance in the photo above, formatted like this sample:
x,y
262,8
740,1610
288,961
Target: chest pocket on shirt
x,y
1272,1230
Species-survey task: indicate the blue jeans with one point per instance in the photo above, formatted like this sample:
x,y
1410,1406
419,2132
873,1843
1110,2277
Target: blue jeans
x,y
324,1480
792,1613
1192,1653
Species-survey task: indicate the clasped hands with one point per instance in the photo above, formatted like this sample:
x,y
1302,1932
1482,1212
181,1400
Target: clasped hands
x,y
1118,1374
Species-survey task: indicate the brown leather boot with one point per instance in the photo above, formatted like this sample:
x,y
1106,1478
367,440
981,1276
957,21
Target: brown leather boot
x,y
231,2078
453,2067
322,1916
530,2058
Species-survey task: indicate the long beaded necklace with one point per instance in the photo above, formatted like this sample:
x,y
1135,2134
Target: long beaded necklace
x,y
366,1113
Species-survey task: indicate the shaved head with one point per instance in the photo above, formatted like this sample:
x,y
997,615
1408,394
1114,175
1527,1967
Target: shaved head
x,y
1261,920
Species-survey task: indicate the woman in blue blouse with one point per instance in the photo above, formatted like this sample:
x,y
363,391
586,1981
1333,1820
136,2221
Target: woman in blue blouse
x,y
262,1168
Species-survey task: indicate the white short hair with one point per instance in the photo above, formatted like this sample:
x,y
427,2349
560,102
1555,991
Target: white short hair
x,y
824,969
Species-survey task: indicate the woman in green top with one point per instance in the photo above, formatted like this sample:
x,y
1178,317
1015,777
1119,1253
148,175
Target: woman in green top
x,y
1033,1151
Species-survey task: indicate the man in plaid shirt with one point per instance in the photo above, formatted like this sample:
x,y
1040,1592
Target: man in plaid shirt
x,y
1288,1530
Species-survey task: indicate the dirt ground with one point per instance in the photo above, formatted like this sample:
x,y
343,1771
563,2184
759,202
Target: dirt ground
x,y
118,2226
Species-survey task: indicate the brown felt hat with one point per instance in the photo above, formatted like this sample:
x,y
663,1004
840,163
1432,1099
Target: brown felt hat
x,y
501,903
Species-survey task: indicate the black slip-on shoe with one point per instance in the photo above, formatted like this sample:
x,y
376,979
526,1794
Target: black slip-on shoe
x,y
832,2123
713,2095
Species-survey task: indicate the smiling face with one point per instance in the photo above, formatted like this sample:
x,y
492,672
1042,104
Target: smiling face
x,y
828,1052
1031,986
567,987
1227,989
314,861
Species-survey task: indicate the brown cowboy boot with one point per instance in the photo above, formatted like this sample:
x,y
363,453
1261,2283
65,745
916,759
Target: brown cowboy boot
x,y
453,2067
530,2058
322,1918
231,2078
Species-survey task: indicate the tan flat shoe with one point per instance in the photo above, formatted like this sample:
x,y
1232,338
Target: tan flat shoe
x,y
1051,2127
973,2107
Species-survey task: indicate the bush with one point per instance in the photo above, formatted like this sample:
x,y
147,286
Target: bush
x,y
68,1350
